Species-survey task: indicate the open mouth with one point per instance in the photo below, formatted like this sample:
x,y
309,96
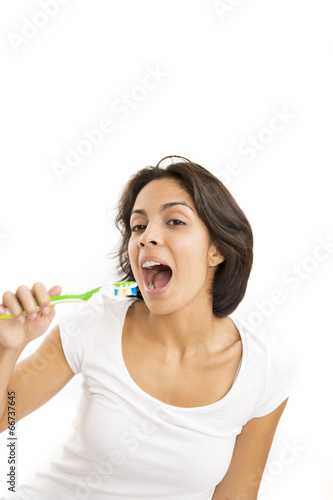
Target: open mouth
x,y
156,275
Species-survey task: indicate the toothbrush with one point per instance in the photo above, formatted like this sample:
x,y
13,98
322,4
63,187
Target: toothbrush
x,y
124,288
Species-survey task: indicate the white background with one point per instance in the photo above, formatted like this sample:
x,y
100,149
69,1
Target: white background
x,y
224,78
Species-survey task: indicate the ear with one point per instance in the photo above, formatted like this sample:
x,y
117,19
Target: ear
x,y
215,257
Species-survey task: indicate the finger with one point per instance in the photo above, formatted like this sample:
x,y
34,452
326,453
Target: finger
x,y
42,296
11,302
55,290
23,293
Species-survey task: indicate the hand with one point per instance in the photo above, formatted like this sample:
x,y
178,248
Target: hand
x,y
18,331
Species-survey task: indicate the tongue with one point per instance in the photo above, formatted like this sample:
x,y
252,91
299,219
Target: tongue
x,y
162,277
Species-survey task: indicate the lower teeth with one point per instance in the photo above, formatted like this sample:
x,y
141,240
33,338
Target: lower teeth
x,y
151,286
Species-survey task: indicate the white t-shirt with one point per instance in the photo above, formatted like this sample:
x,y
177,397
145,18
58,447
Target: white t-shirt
x,y
125,444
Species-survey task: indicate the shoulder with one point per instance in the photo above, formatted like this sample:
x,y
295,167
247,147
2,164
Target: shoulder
x,y
87,327
270,368
104,306
266,346
89,319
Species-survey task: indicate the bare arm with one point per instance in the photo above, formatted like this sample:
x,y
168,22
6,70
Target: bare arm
x,y
252,447
8,361
39,377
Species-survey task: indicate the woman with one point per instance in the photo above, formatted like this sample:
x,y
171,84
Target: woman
x,y
179,401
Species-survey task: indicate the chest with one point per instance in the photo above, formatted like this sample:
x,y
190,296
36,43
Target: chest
x,y
201,382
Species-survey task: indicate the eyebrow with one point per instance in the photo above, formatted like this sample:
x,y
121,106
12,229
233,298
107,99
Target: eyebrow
x,y
163,207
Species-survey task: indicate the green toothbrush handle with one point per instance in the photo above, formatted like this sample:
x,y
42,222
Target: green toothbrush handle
x,y
121,288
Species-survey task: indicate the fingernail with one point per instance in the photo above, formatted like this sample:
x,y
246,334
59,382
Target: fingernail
x,y
21,319
46,310
2,310
32,315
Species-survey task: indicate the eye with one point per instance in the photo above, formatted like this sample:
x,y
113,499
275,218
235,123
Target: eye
x,y
171,222
136,228
177,222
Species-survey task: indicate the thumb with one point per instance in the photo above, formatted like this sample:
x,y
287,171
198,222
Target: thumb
x,y
55,290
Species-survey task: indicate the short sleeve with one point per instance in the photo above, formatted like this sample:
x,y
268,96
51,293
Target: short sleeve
x,y
85,326
281,370
76,331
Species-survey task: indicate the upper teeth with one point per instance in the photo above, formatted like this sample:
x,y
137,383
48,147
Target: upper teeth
x,y
150,263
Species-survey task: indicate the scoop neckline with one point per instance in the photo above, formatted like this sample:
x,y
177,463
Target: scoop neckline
x,y
194,409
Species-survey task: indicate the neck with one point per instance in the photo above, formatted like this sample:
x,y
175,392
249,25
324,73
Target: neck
x,y
183,334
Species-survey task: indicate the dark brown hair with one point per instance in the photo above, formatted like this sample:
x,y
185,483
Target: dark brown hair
x,y
226,223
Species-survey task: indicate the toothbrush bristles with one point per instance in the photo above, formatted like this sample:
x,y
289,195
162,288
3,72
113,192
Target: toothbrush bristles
x,y
126,289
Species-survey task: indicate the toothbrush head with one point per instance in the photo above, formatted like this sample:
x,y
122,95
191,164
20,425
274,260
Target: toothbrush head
x,y
126,289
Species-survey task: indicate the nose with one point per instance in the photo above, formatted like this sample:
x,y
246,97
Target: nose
x,y
150,237
150,243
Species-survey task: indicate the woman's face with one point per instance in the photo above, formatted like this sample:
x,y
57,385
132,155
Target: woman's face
x,y
166,229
